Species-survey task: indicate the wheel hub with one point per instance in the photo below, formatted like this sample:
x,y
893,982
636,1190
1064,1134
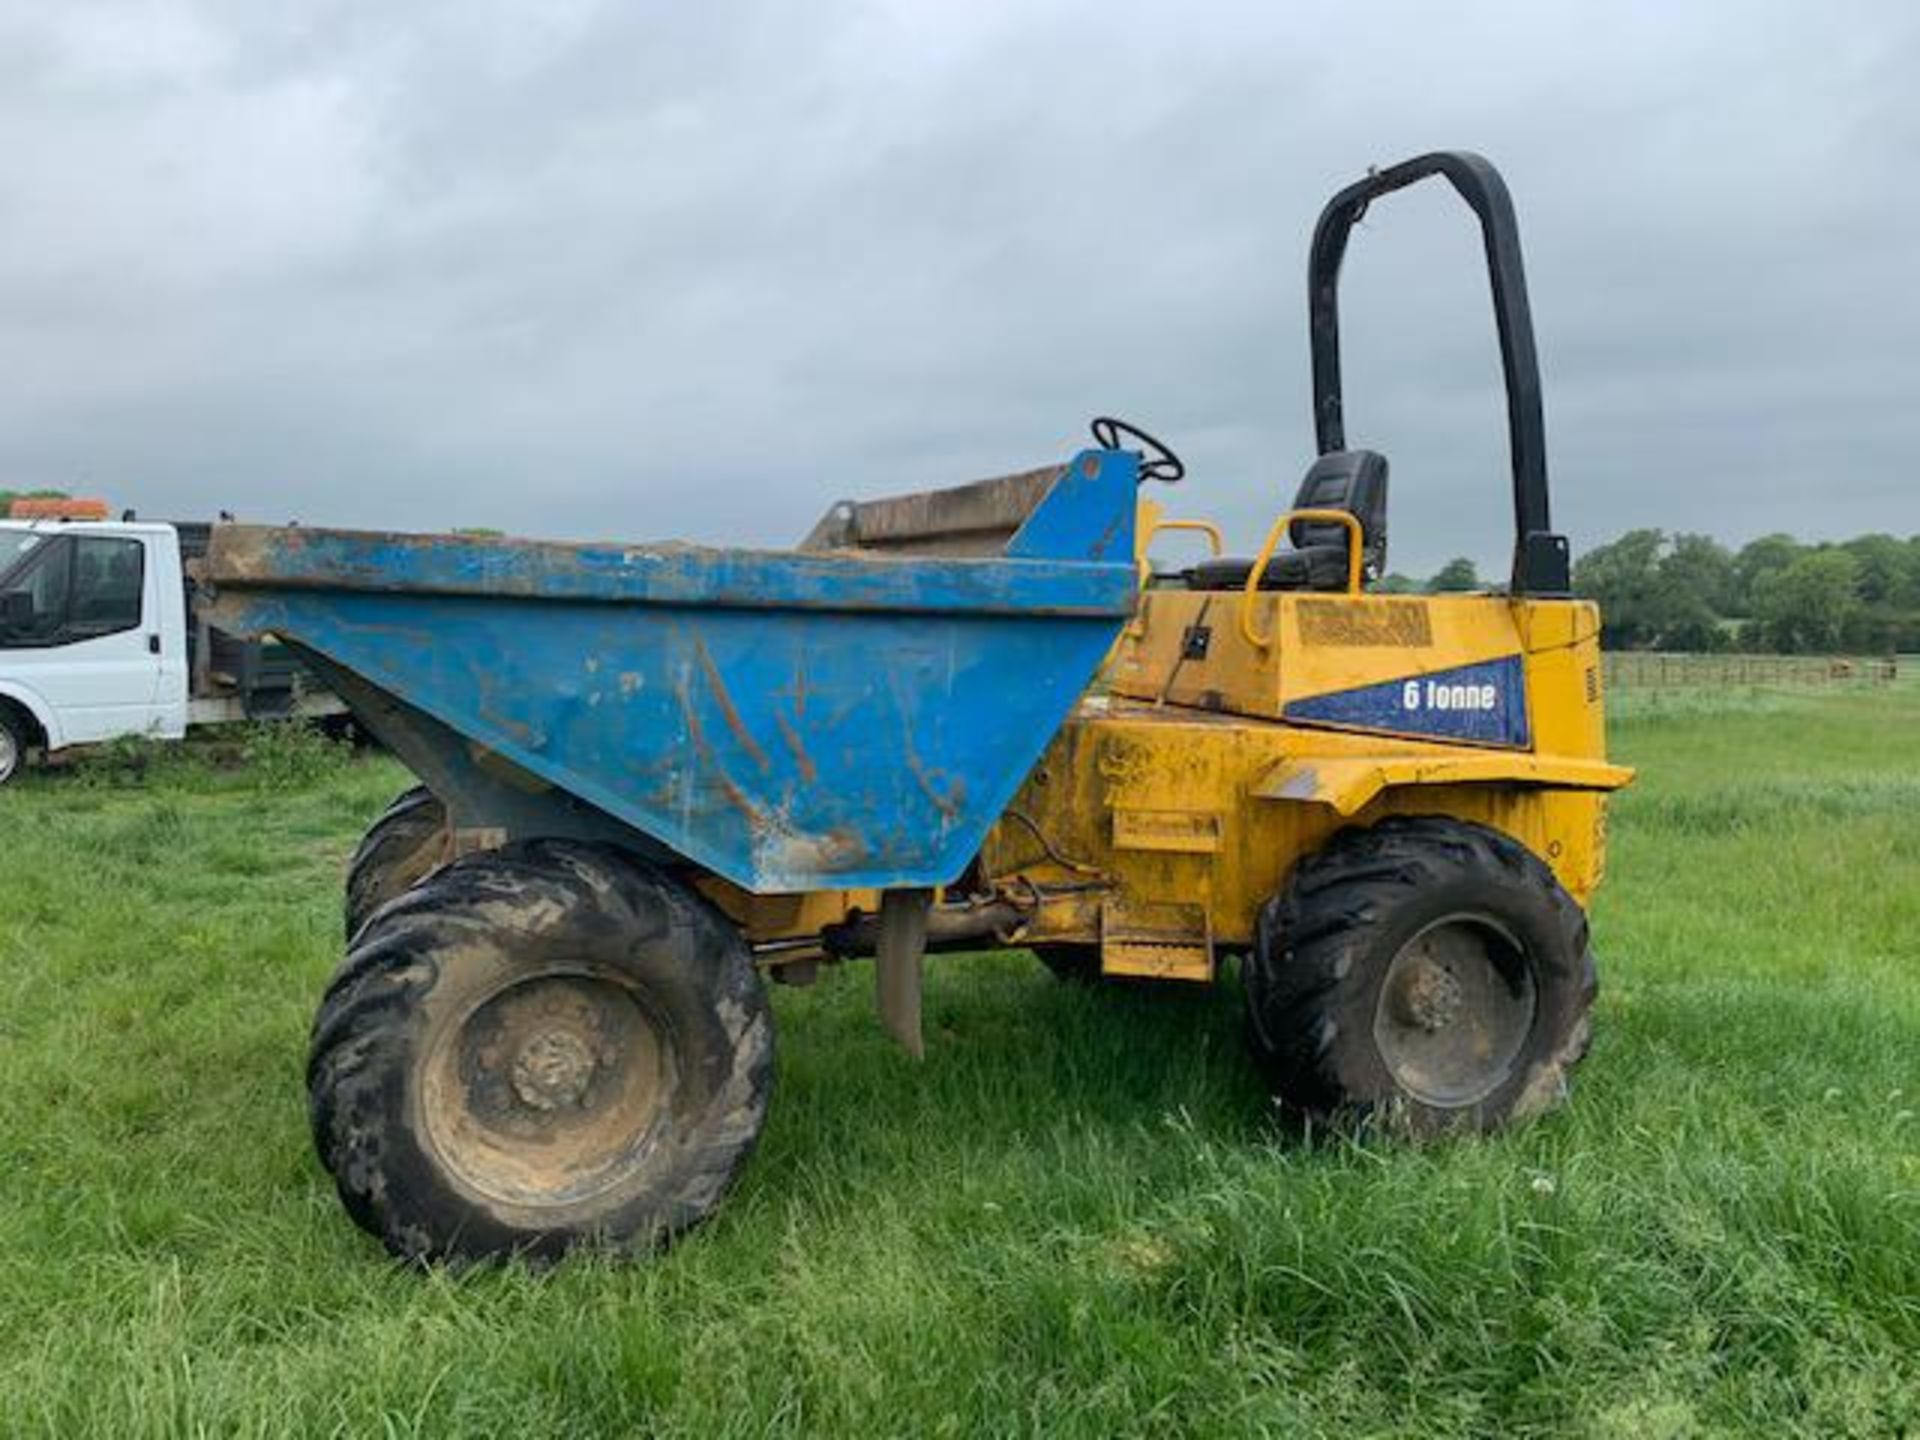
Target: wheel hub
x,y
1429,997
1454,1012
550,1090
553,1069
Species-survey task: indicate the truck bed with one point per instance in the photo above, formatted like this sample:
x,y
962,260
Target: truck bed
x,y
236,677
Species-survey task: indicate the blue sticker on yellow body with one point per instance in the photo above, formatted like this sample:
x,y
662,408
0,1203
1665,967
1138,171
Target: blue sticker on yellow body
x,y
1483,704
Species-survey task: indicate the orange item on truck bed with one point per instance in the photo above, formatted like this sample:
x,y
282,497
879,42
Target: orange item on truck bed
x,y
49,508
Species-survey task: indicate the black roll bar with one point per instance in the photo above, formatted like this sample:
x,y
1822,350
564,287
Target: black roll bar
x,y
1541,564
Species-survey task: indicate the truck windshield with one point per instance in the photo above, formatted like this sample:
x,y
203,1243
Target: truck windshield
x,y
14,545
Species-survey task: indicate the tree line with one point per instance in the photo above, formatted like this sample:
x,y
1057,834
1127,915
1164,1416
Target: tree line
x,y
1779,595
1689,592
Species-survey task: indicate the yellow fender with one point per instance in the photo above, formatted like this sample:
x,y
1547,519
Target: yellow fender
x,y
1348,783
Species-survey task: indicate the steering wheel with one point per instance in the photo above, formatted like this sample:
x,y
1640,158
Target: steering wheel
x,y
1157,462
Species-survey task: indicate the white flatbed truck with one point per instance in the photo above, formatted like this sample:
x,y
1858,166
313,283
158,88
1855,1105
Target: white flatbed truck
x,y
101,637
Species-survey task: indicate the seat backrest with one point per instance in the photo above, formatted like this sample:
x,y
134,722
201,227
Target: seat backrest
x,y
1354,481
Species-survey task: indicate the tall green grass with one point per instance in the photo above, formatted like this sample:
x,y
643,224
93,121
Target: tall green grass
x,y
1074,1218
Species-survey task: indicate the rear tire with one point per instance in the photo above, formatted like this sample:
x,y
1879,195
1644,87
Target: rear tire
x,y
539,1047
1425,973
405,845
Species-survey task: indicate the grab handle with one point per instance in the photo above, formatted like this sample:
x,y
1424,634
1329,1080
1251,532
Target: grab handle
x,y
1319,517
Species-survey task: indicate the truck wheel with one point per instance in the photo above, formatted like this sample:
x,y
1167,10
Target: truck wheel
x,y
539,1047
13,745
400,849
1425,973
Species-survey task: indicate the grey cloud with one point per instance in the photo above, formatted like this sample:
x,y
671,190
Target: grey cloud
x,y
645,271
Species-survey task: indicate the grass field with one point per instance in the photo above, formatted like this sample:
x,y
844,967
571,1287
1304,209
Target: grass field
x,y
1074,1218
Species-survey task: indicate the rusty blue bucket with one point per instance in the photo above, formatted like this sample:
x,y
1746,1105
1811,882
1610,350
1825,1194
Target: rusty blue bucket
x,y
842,717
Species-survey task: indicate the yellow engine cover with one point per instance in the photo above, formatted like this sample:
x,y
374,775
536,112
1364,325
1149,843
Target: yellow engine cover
x,y
1240,732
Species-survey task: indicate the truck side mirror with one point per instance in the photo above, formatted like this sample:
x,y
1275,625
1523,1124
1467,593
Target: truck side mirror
x,y
16,610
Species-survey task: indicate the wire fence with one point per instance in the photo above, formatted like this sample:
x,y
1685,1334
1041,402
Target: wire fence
x,y
1654,670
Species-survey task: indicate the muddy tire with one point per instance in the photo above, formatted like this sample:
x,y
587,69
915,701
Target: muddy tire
x,y
405,845
1425,974
539,1047
13,745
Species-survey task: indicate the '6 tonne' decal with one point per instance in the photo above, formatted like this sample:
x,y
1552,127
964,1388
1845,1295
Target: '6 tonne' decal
x,y
1481,704
1437,695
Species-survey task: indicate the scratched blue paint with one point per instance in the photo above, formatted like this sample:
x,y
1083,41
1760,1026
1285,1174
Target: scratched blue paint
x,y
847,722
1481,704
1089,512
1087,517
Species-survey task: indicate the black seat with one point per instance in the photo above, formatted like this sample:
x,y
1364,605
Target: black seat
x,y
1351,480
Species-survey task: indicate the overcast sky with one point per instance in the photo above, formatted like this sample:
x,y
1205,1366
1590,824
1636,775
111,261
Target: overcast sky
x,y
696,270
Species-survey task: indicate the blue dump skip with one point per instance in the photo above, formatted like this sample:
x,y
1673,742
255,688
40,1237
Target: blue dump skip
x,y
788,720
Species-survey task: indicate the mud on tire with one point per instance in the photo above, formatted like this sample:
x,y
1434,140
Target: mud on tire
x,y
1426,973
539,1047
405,845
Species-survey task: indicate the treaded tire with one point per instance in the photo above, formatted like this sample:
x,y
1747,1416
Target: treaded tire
x,y
1317,978
400,849
469,1093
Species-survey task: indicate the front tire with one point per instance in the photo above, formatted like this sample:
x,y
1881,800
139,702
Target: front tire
x,y
1427,973
536,1048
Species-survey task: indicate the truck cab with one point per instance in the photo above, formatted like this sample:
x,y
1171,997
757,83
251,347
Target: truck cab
x,y
93,632
103,634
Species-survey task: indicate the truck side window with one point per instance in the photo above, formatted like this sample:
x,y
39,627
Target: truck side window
x,y
108,574
35,605
77,588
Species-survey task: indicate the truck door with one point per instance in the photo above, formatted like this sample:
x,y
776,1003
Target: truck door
x,y
78,617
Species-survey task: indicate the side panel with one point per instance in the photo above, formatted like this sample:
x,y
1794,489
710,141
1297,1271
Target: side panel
x,y
34,703
1188,648
785,751
1161,809
1168,807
